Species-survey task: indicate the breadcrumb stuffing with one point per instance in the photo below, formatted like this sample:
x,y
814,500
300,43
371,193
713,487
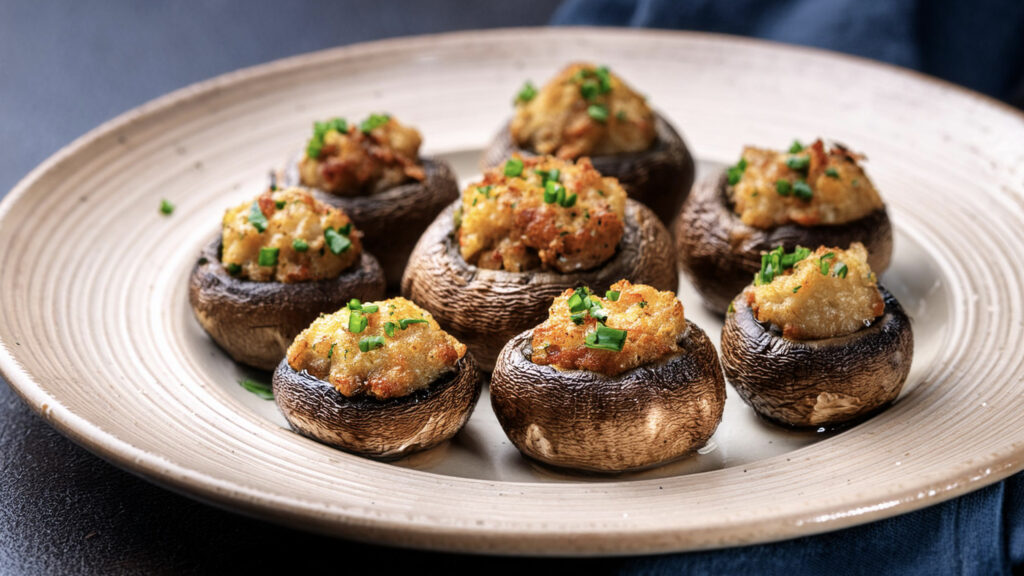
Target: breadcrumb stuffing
x,y
356,162
282,236
806,186
406,360
583,111
506,222
653,321
830,293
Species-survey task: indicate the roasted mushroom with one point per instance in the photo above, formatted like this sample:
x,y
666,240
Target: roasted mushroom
x,y
802,197
373,171
280,260
531,228
380,379
815,342
609,384
588,111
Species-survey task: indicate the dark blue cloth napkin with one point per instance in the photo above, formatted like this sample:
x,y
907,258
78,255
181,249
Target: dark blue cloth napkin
x,y
978,44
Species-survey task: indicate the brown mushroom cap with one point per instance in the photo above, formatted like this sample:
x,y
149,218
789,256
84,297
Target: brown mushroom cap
x,y
255,322
485,308
720,254
385,429
812,383
588,421
393,220
659,178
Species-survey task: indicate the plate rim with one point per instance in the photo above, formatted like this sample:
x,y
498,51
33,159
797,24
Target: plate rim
x,y
194,484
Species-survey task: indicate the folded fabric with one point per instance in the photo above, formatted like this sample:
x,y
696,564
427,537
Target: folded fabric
x,y
978,44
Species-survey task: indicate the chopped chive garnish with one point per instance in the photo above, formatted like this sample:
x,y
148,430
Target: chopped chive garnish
x,y
405,322
799,163
578,318
485,190
589,89
604,79
776,262
279,204
336,241
736,172
513,167
842,270
346,229
605,338
166,208
545,175
357,322
731,309
526,93
355,304
256,217
389,329
234,268
576,302
796,147
320,129
598,112
268,256
570,201
330,353
612,295
370,308
300,245
258,388
370,343
373,122
802,190
551,190
797,289
832,173
824,264
783,187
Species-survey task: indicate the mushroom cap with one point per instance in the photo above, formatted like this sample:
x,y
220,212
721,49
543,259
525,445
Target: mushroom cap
x,y
660,178
720,254
393,220
255,322
384,429
588,421
485,308
813,383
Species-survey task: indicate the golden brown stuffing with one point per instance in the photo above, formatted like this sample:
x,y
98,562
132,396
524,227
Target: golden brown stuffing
x,y
806,185
391,348
652,320
288,236
583,111
551,213
830,293
351,160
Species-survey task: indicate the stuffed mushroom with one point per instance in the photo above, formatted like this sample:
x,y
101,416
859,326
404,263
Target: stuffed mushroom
x,y
373,170
380,379
280,260
815,341
587,111
610,384
532,227
803,196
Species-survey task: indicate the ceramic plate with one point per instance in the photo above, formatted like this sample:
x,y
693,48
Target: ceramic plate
x,y
96,333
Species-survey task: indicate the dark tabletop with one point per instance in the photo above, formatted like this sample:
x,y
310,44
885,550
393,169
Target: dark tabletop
x,y
67,67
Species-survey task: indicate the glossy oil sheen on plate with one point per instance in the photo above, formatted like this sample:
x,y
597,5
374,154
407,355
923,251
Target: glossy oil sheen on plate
x,y
97,334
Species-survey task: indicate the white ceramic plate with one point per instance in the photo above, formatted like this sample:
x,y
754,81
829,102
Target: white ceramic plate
x,y
96,333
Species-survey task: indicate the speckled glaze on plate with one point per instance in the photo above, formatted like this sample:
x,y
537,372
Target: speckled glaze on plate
x,y
97,336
